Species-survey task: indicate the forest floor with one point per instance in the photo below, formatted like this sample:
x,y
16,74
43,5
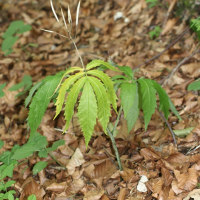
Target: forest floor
x,y
172,171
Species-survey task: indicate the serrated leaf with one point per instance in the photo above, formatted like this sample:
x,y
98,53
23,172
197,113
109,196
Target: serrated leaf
x,y
64,87
164,102
173,109
183,132
8,42
96,63
148,99
41,143
31,92
102,101
68,71
1,89
56,145
71,100
127,70
9,183
5,157
39,166
194,86
108,84
8,171
43,153
32,197
87,111
24,152
127,96
120,77
41,101
133,112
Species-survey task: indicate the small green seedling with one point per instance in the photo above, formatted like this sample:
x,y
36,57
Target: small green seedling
x,y
11,35
156,32
152,3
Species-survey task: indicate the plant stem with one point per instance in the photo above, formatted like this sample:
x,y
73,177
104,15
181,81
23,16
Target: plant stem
x,y
56,160
115,148
117,121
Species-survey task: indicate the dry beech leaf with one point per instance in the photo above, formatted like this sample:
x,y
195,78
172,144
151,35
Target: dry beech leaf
x,y
31,187
75,161
177,158
169,25
194,158
129,175
93,195
175,187
157,187
122,194
189,107
57,187
149,154
167,177
74,187
195,194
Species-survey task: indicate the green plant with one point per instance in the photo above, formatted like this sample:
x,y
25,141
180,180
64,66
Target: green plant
x,y
11,35
152,3
11,159
26,84
155,32
98,95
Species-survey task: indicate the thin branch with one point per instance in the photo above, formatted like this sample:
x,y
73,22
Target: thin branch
x,y
168,47
167,78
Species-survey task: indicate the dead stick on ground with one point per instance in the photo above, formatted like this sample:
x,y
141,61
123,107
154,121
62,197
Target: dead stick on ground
x,y
167,78
168,47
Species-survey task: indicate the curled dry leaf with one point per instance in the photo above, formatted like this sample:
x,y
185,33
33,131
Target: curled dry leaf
x,y
75,161
93,195
149,154
129,175
57,187
74,187
167,177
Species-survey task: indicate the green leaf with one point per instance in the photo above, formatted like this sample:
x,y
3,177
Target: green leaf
x,y
64,87
133,112
10,196
183,132
24,28
8,171
41,101
6,157
56,145
102,101
24,152
164,102
5,196
1,89
31,92
39,166
148,99
43,153
87,111
120,77
32,197
127,70
41,143
1,143
194,86
9,183
8,43
96,63
71,100
173,109
127,96
13,27
26,82
8,52
108,84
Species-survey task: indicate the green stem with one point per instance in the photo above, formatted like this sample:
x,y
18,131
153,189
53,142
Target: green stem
x,y
117,121
115,148
56,160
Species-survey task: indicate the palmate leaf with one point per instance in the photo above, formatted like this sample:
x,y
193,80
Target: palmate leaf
x,y
148,99
133,113
109,86
41,100
164,102
68,71
87,111
71,100
127,96
96,63
64,87
102,101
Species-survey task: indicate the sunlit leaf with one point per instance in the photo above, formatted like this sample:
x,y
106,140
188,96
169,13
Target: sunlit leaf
x,y
39,166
